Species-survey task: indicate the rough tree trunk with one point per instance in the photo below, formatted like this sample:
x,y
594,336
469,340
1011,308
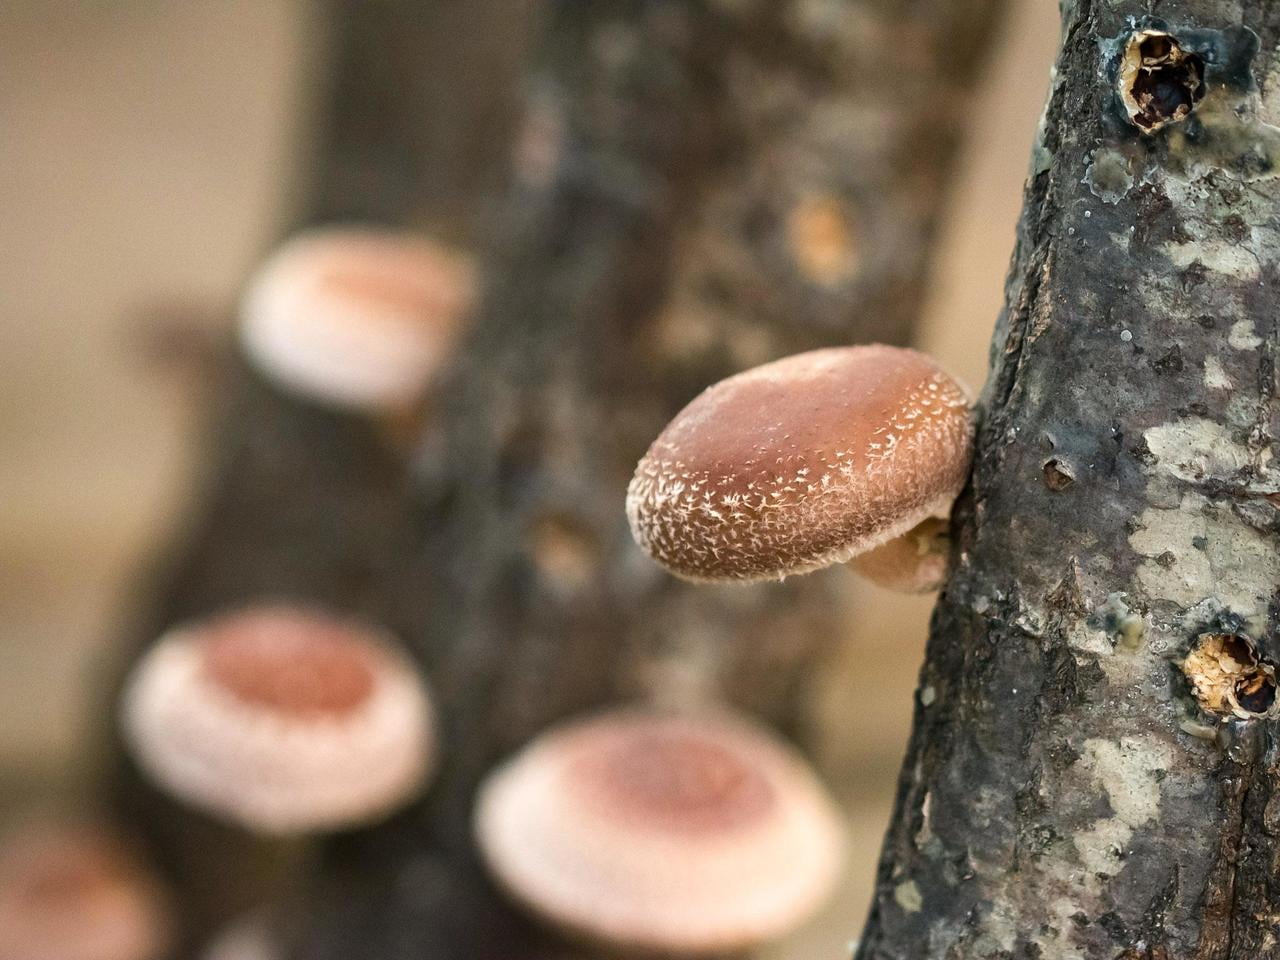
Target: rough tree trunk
x,y
698,186
1065,795
301,502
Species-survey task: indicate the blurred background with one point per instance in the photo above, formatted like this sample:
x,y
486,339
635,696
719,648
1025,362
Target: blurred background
x,y
148,156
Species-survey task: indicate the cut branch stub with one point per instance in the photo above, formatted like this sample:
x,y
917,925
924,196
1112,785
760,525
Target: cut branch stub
x,y
802,463
1229,678
1160,82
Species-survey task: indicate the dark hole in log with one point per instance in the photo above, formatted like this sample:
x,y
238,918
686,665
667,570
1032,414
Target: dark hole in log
x,y
1257,693
1163,81
1228,676
1238,649
1058,475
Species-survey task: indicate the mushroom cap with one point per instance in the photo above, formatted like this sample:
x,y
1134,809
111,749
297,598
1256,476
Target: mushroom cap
x,y
356,318
281,719
684,834
802,463
74,893
915,562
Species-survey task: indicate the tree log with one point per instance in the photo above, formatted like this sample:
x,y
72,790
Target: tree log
x,y
1073,787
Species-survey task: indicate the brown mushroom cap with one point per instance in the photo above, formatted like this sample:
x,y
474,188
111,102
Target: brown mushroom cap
x,y
73,893
802,463
679,834
356,317
915,562
282,719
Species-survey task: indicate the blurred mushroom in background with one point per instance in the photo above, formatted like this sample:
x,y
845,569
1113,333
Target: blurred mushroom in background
x,y
76,893
359,319
684,834
286,720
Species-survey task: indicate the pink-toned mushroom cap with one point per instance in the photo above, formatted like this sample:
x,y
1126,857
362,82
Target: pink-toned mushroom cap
x,y
802,463
686,835
356,318
74,893
282,719
915,562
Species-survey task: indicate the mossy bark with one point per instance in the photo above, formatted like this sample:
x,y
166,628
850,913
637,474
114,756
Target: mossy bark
x,y
1065,795
696,186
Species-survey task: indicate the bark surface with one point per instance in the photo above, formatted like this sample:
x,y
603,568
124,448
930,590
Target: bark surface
x,y
696,187
1066,795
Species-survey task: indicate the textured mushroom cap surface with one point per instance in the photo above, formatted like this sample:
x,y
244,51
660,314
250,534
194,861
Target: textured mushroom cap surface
x,y
680,834
281,719
356,318
915,562
75,894
802,463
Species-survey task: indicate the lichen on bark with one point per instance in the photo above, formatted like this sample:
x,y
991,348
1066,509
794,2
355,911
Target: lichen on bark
x,y
1065,796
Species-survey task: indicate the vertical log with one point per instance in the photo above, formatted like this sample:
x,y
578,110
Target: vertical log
x,y
1075,785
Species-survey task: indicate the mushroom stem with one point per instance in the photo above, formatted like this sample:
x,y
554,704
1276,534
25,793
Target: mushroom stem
x,y
915,562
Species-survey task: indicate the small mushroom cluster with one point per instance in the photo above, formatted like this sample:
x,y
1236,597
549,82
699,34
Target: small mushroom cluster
x,y
686,834
683,833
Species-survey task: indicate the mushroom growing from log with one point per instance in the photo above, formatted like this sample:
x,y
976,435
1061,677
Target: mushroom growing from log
x,y
75,893
802,463
282,719
358,319
679,834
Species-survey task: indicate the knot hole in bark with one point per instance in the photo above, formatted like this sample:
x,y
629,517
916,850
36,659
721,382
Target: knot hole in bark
x,y
1058,474
1160,82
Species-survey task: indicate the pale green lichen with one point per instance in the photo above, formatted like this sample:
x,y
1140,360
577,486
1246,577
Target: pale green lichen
x,y
1236,564
1215,376
907,896
1228,259
1129,770
1242,335
1194,448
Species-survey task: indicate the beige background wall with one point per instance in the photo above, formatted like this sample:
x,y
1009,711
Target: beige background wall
x,y
144,161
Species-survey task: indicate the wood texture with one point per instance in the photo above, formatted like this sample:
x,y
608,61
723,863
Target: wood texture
x,y
1065,795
